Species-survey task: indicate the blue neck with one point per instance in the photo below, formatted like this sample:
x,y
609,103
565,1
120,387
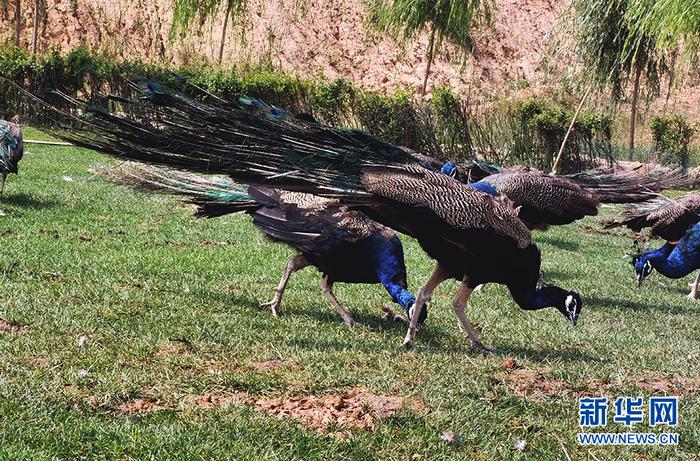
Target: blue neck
x,y
391,270
669,261
532,299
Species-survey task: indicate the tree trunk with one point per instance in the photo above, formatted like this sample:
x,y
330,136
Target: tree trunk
x,y
633,111
429,56
35,32
18,21
568,132
223,31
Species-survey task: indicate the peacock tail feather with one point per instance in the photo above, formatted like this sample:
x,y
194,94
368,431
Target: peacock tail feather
x,y
666,218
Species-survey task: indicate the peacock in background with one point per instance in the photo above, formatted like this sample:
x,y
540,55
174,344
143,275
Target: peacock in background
x,y
344,245
542,200
474,237
677,222
611,187
11,148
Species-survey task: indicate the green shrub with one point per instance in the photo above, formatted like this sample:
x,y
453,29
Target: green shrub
x,y
672,135
528,132
546,124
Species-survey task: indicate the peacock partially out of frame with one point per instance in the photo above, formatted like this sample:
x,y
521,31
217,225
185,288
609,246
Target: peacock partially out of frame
x,y
11,149
677,222
474,237
344,245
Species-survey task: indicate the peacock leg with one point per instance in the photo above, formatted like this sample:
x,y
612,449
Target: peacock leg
x,y
540,281
459,304
294,264
2,185
694,288
438,276
327,287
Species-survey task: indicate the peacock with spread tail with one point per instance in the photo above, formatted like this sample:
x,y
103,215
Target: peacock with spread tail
x,y
11,148
474,237
677,222
344,245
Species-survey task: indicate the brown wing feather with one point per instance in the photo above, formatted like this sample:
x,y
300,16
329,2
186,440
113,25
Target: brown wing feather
x,y
453,202
547,195
668,219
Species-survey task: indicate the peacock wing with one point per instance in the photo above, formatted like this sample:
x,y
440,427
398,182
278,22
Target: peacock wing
x,y
671,220
418,195
544,199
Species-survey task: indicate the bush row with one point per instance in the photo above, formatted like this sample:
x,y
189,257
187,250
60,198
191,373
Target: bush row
x,y
524,132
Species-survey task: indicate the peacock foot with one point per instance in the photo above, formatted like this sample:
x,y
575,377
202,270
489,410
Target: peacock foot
x,y
273,305
479,347
349,321
392,316
480,288
408,340
693,296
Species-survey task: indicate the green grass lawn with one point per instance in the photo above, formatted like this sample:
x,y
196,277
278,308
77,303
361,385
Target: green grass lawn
x,y
168,307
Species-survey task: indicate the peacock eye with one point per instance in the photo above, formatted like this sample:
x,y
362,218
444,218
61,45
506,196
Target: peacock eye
x,y
647,268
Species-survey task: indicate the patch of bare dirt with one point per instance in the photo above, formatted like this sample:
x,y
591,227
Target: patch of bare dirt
x,y
10,327
172,348
596,388
139,407
209,401
357,408
37,361
673,384
270,365
530,383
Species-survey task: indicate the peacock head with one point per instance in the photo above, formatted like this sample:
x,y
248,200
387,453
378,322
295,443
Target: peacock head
x,y
450,169
643,267
571,306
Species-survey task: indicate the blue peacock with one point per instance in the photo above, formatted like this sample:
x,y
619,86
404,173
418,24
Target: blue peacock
x,y
677,222
344,245
474,237
11,149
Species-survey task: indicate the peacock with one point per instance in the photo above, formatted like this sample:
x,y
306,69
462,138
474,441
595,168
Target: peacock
x,y
541,200
609,186
474,237
11,148
344,245
677,222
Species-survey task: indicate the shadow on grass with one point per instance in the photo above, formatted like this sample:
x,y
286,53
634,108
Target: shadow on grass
x,y
544,354
565,245
552,276
27,201
636,305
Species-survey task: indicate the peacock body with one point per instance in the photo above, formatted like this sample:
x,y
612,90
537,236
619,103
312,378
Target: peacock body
x,y
344,245
542,200
11,148
676,221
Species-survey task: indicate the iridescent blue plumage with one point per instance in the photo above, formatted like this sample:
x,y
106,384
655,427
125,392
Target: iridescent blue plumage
x,y
674,261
